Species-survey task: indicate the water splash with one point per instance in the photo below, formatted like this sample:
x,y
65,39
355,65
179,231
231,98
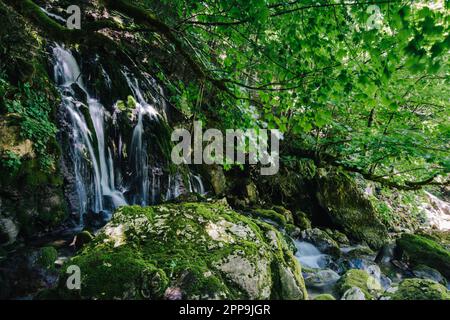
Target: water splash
x,y
308,255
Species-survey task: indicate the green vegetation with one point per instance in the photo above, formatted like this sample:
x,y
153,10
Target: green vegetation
x,y
33,110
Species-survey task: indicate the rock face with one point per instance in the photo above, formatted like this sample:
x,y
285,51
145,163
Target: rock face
x,y
188,251
420,289
347,208
418,250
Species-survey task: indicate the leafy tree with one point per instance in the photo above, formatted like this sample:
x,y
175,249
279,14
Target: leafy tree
x,y
358,84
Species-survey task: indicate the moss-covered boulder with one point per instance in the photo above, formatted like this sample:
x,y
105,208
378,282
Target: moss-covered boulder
x,y
359,279
420,289
419,250
189,251
348,209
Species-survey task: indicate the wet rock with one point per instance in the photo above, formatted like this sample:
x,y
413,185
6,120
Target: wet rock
x,y
354,293
287,214
385,254
322,281
302,220
348,209
425,272
339,237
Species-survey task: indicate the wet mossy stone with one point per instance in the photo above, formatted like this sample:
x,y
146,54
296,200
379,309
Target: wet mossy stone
x,y
271,215
357,278
421,250
324,296
348,209
420,289
46,257
301,220
189,251
287,214
425,272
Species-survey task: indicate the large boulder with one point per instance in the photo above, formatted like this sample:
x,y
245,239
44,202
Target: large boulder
x,y
348,209
186,251
419,250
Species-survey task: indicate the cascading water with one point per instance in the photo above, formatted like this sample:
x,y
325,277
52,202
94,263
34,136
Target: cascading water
x,y
196,184
109,168
93,173
308,255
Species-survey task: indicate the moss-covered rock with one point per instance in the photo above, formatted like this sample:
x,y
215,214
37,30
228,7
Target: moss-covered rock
x,y
422,250
189,251
287,214
301,220
338,236
360,279
271,215
324,296
420,289
348,209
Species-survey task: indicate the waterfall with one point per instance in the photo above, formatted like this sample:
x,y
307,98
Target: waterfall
x,y
309,256
105,170
196,184
92,161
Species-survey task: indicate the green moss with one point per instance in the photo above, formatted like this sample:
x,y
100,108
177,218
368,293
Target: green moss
x,y
422,250
354,278
186,248
421,289
271,215
46,257
109,273
324,296
302,220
